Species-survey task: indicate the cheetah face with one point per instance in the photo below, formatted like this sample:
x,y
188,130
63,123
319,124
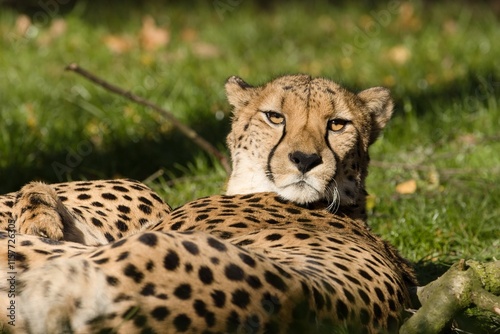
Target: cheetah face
x,y
304,138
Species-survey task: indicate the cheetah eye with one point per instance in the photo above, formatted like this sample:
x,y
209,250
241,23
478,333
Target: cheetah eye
x,y
275,117
337,125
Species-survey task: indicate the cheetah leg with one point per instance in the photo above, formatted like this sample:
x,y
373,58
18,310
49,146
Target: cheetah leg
x,y
38,211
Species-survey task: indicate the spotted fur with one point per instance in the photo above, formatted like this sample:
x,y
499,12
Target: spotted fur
x,y
286,250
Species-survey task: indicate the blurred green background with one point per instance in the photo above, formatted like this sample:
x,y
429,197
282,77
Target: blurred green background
x,y
434,181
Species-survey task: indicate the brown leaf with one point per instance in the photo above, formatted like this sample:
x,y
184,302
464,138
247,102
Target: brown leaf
x,y
23,23
399,54
118,44
151,36
205,50
407,187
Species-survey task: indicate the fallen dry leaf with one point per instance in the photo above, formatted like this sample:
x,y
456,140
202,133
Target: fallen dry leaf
x,y
205,50
407,187
23,23
118,44
399,54
151,36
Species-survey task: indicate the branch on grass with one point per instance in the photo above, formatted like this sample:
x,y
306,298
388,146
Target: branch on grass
x,y
186,130
463,286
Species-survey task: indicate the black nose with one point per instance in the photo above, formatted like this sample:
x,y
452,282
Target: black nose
x,y
303,161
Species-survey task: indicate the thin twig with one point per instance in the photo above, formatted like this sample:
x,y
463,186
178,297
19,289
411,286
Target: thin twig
x,y
186,130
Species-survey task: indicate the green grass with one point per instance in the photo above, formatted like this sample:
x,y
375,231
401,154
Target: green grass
x,y
440,60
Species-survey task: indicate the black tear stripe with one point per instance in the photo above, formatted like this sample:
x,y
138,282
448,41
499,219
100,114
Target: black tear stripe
x,y
269,173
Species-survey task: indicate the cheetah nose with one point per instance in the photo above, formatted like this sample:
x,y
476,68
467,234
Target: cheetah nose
x,y
303,161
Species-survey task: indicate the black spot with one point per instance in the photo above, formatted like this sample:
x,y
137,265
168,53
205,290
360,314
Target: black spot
x,y
334,240
145,201
176,226
302,236
113,281
109,237
149,239
200,307
121,226
270,303
183,291
182,322
214,243
96,204
293,211
377,311
96,222
150,265
191,247
232,322
365,275
245,242
392,305
160,313
253,323
201,217
380,295
342,310
171,260
247,259
83,196
140,320
348,295
341,266
389,288
240,298
234,272
120,189
274,237
148,290
275,280
364,296
122,256
318,299
101,261
123,209
253,281
109,196
118,243
353,279
26,243
188,267
205,275
132,272
364,316
144,208
219,298
239,225
336,225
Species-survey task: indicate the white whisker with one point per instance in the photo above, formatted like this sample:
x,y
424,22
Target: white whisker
x,y
334,206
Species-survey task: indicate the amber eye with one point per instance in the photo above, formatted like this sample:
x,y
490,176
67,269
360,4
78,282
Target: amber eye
x,y
274,117
337,125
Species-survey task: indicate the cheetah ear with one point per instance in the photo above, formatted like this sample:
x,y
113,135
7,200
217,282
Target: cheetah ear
x,y
380,106
238,92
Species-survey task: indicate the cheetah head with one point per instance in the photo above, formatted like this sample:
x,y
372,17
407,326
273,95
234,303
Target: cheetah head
x,y
304,138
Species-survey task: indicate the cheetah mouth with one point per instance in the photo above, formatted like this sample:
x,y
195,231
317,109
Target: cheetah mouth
x,y
301,192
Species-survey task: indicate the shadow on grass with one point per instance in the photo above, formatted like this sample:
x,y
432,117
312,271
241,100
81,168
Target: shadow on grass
x,y
136,160
139,160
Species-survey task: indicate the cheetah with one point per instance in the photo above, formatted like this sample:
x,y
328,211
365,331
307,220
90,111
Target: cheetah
x,y
302,138
286,250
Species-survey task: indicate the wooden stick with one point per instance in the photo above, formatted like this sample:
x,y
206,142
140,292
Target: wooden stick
x,y
186,130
